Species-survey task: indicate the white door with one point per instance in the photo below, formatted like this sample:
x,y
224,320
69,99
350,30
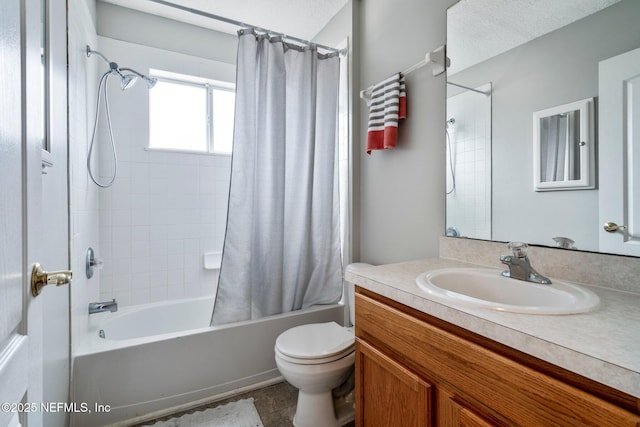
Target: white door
x,y
54,211
14,345
619,153
25,237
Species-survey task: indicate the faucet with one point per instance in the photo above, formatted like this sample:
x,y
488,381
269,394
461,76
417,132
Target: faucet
x,y
99,307
519,266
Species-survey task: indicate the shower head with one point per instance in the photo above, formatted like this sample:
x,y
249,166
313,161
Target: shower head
x,y
128,76
127,81
150,81
451,122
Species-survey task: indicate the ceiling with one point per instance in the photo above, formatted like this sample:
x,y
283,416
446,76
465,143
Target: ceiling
x,y
477,29
298,18
480,29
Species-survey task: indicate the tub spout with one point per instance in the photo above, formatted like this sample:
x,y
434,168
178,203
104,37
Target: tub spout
x,y
99,307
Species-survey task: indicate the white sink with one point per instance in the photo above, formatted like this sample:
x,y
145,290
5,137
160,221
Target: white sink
x,y
486,288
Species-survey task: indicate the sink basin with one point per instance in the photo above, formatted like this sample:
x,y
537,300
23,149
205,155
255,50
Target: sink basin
x,y
486,288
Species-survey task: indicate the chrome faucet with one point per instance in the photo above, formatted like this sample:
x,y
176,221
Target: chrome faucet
x,y
519,266
99,307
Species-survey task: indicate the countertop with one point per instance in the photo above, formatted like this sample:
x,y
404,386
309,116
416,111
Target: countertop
x,y
603,345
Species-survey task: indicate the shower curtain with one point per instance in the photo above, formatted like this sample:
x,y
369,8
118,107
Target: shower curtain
x,y
553,144
282,245
560,154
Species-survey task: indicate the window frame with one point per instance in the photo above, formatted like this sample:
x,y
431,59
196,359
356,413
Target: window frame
x,y
210,86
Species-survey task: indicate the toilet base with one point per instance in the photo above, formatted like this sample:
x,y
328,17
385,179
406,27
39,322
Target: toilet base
x,y
319,410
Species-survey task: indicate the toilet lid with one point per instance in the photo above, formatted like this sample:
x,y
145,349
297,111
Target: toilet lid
x,y
314,341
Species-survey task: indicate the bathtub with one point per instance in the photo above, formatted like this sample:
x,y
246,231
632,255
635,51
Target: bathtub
x,y
155,358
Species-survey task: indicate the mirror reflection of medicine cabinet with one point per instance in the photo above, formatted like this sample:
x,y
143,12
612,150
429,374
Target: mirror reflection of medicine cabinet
x,y
564,147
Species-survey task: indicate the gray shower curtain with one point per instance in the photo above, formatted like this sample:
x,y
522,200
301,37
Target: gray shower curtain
x,y
282,245
553,139
560,152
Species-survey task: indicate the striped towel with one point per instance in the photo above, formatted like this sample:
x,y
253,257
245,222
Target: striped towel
x,y
388,104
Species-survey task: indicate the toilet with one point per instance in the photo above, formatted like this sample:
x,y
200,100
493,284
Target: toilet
x,y
316,358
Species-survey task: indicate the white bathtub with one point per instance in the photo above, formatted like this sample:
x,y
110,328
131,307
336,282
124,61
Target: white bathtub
x,y
160,356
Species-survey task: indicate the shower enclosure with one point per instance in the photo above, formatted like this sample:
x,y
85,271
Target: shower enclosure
x,y
152,228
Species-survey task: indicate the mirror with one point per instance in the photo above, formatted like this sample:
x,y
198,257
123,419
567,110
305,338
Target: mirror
x,y
564,147
533,63
468,163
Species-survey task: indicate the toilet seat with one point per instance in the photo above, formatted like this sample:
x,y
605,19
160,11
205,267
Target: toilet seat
x,y
315,361
315,343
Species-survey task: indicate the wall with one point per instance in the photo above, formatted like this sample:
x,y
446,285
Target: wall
x,y
154,31
402,190
83,194
518,80
165,209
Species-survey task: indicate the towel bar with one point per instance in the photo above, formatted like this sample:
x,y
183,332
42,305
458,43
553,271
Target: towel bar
x,y
437,59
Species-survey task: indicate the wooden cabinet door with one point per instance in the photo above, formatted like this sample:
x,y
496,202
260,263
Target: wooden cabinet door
x,y
387,393
452,413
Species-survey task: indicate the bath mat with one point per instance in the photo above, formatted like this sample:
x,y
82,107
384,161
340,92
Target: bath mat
x,y
241,413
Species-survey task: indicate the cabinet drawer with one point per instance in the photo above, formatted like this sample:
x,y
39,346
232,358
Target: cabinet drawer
x,y
499,386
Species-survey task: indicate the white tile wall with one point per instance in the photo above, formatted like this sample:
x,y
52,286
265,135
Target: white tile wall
x,y
165,209
156,223
84,201
469,206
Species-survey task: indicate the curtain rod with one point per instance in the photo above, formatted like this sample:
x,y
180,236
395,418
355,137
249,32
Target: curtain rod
x,y
241,24
487,93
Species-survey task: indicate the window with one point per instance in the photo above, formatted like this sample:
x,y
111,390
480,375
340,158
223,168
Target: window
x,y
189,113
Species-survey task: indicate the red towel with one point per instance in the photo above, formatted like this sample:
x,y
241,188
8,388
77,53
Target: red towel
x,y
387,106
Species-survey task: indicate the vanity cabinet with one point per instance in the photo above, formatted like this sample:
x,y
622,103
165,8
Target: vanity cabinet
x,y
394,383
416,370
454,413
